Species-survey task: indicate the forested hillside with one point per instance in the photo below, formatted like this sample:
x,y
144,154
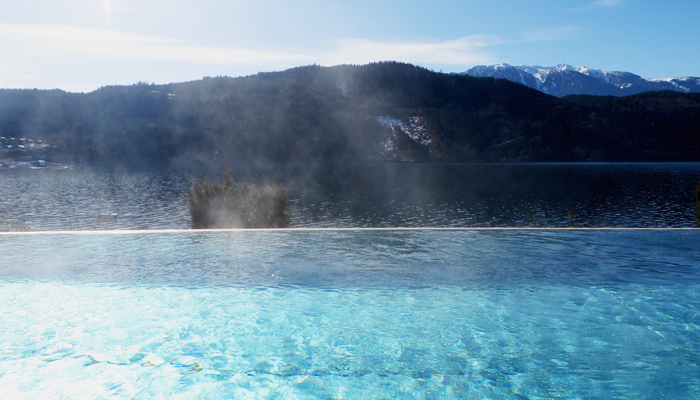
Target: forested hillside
x,y
345,114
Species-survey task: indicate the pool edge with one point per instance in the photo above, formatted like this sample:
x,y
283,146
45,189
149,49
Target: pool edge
x,y
379,229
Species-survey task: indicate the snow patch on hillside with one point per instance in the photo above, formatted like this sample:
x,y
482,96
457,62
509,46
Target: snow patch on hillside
x,y
415,128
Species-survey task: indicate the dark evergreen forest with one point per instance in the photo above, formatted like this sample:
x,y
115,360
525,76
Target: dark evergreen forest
x,y
328,115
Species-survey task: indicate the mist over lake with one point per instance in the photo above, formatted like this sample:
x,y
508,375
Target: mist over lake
x,y
382,195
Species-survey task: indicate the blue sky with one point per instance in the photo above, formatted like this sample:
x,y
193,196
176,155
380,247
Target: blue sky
x,y
81,45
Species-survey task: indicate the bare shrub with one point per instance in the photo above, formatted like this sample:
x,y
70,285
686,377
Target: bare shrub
x,y
223,204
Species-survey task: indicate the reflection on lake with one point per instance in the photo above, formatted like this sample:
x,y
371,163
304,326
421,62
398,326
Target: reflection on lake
x,y
388,195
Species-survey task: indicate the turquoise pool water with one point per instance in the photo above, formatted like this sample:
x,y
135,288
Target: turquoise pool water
x,y
420,314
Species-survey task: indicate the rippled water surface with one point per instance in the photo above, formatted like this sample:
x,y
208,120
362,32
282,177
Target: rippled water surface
x,y
424,314
393,195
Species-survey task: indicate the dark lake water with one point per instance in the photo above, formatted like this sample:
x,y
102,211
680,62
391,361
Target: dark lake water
x,y
389,195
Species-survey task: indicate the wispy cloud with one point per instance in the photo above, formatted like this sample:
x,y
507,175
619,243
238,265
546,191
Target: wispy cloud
x,y
95,57
18,41
100,43
463,51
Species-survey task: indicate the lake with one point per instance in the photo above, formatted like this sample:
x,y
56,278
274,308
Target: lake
x,y
386,195
358,314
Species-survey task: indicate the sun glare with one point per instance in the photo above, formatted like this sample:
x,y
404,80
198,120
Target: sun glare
x,y
107,8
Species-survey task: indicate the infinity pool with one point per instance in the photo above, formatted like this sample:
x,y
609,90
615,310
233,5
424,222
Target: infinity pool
x,y
358,314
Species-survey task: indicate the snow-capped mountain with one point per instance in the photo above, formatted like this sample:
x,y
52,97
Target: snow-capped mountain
x,y
565,79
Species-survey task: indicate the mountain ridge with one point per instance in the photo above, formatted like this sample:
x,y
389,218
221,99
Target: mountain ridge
x,y
345,114
564,80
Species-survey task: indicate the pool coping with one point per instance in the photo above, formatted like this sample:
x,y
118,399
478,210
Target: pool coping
x,y
321,229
